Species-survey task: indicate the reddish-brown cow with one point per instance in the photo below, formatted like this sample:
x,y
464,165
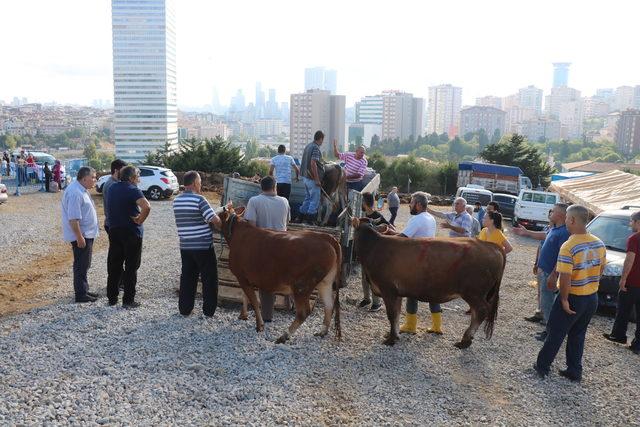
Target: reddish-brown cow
x,y
289,263
432,269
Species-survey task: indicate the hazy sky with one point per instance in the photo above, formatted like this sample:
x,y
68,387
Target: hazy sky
x,y
61,49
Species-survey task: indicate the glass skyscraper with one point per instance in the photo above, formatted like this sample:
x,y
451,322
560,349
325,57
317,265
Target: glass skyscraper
x,y
144,77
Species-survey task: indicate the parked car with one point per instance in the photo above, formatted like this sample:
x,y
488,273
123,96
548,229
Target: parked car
x,y
613,228
507,203
532,208
155,182
475,193
3,194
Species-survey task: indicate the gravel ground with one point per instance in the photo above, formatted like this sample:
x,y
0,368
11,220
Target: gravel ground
x,y
92,364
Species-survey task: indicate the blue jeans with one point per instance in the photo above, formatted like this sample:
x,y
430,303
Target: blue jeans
x,y
547,297
412,306
355,185
574,327
311,198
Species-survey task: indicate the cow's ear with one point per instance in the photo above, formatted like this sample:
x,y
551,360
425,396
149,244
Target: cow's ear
x,y
240,211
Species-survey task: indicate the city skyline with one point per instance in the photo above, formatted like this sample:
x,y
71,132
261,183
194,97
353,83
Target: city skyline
x,y
73,63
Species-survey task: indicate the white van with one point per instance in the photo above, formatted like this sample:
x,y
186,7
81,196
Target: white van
x,y
532,208
475,193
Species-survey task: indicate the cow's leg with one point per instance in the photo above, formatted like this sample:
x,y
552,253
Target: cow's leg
x,y
479,311
325,292
253,299
303,309
393,305
244,312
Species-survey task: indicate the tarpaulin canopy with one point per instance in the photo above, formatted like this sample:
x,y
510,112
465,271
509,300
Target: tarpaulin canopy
x,y
600,192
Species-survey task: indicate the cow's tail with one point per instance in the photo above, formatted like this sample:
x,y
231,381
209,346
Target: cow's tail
x,y
493,297
337,284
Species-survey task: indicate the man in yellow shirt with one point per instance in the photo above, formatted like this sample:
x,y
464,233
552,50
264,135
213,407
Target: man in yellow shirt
x,y
580,263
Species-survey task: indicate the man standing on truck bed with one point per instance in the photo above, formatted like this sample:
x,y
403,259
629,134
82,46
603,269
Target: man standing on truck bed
x,y
282,164
355,166
311,168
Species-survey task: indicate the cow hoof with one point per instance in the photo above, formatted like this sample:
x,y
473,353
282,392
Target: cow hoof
x,y
283,339
320,334
259,328
391,340
463,344
243,317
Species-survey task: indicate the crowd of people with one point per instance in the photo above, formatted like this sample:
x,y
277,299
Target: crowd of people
x,y
568,264
25,169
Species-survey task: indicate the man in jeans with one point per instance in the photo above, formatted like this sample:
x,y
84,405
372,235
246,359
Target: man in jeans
x,y
310,167
629,294
127,209
282,164
193,215
80,228
581,260
270,211
393,201
547,276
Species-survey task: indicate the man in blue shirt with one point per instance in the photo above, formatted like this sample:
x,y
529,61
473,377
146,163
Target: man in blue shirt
x,y
127,210
80,228
547,275
282,165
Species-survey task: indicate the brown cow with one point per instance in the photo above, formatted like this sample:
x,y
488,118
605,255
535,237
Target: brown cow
x,y
432,269
287,263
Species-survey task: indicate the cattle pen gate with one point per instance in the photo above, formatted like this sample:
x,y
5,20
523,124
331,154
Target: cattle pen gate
x,y
239,191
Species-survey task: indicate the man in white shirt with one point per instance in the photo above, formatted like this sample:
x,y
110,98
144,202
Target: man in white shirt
x,y
270,211
282,164
80,228
421,224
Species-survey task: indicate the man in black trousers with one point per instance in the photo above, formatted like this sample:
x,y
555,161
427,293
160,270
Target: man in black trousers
x,y
193,215
127,210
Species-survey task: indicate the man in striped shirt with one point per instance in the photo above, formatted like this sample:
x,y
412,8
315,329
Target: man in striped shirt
x,y
193,215
580,264
355,165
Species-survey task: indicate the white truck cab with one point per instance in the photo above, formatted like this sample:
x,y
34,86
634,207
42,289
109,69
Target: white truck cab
x,y
532,208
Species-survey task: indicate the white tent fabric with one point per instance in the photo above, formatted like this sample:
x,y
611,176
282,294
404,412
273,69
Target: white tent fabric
x,y
601,192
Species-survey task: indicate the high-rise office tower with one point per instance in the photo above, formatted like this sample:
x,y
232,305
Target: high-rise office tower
x,y
445,103
561,74
401,116
628,132
531,97
320,78
312,111
260,103
144,77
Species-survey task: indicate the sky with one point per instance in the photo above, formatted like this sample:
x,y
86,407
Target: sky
x,y
60,50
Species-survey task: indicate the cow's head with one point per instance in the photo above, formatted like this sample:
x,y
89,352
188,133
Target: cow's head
x,y
228,217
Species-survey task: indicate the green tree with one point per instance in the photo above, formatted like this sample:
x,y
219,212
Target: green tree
x,y
90,151
448,178
495,138
251,150
377,162
483,139
10,142
518,153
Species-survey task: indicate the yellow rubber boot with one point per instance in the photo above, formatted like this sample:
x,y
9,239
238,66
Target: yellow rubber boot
x,y
410,324
436,324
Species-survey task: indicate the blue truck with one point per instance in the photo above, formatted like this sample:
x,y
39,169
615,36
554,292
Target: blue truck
x,y
493,177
